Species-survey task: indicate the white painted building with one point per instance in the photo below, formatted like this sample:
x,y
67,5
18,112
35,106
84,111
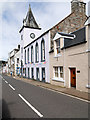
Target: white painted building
x,y
12,60
36,58
17,63
34,51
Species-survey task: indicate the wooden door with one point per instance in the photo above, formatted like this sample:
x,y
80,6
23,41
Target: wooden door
x,y
73,77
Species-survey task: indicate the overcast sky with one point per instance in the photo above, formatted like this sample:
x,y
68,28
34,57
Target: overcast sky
x,y
47,14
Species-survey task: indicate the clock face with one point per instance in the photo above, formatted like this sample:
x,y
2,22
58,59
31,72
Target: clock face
x,y
32,35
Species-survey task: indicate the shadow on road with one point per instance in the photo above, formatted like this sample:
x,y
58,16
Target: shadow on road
x,y
5,110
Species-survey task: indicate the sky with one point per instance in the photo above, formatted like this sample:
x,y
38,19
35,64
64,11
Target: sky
x,y
12,12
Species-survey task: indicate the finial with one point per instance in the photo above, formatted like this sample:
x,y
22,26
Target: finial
x,y
29,7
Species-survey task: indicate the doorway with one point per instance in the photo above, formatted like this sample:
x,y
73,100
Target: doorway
x,y
73,77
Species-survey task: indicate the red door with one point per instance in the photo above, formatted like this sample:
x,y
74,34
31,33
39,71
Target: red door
x,y
73,77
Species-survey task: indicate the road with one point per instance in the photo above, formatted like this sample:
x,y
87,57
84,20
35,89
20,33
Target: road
x,y
24,100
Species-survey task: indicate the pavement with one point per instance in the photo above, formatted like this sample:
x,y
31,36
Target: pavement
x,y
69,91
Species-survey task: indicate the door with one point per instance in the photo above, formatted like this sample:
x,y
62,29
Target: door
x,y
37,73
73,77
43,74
28,73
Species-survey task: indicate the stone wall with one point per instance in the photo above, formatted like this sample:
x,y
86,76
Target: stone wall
x,y
71,23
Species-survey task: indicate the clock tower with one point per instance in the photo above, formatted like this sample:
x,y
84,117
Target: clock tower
x,y
30,29
28,33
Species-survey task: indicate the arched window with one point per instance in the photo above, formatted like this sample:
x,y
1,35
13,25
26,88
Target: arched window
x,y
32,55
37,52
42,50
28,55
25,56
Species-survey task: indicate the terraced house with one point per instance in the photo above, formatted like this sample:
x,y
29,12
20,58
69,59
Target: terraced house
x,y
54,56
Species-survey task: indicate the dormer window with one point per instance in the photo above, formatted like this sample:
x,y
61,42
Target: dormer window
x,y
58,46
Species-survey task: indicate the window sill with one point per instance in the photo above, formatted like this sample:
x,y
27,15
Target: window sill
x,y
58,55
88,86
58,79
42,60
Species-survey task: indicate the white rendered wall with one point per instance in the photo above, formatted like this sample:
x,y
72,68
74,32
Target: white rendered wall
x,y
40,64
26,39
17,55
27,32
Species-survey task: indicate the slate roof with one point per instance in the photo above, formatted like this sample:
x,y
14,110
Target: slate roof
x,y
67,35
79,39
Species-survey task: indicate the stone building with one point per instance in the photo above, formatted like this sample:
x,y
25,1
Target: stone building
x,y
73,21
69,66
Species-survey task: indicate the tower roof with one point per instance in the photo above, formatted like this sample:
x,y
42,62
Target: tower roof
x,y
30,21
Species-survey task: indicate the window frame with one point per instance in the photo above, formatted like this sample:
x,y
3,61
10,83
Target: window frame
x,y
42,50
32,73
37,52
17,60
57,42
28,72
59,72
37,77
25,56
43,68
32,54
28,55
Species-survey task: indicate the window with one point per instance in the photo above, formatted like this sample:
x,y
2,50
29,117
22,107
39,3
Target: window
x,y
28,55
61,72
37,52
32,55
21,49
57,46
58,72
25,56
37,73
25,72
43,74
28,73
42,50
21,37
17,60
32,70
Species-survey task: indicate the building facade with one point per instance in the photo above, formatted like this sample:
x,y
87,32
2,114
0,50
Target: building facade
x,y
17,63
34,51
55,56
68,48
69,64
36,58
12,61
74,21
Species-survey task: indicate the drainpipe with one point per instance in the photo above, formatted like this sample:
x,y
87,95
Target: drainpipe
x,y
64,65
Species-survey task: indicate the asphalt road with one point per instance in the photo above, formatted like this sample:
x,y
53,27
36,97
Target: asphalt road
x,y
24,100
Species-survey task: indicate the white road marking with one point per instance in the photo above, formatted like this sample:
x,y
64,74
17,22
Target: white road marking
x,y
67,95
12,87
6,82
34,109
